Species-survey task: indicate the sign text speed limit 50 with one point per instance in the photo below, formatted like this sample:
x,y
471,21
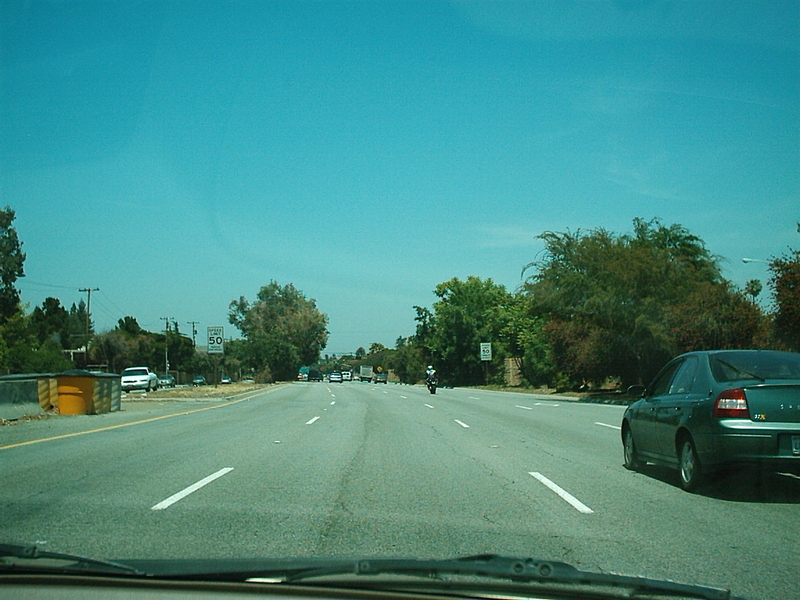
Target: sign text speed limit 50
x,y
216,340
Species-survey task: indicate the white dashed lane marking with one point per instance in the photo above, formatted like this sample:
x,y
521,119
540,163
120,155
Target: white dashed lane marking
x,y
192,488
565,495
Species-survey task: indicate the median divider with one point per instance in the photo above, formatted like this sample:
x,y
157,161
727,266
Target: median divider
x,y
73,392
27,395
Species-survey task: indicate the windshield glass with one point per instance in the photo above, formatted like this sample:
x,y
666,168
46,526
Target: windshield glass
x,y
427,246
132,372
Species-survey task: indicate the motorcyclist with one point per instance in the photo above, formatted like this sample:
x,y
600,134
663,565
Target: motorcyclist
x,y
430,379
430,373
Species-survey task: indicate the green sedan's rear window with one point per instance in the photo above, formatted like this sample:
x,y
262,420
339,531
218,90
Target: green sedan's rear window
x,y
758,365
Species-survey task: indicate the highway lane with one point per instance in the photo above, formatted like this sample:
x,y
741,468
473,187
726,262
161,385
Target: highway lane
x,y
641,519
332,469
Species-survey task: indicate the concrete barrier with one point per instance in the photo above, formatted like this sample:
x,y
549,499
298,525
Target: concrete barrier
x,y
27,395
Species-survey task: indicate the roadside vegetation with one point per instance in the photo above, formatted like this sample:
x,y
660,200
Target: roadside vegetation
x,y
597,308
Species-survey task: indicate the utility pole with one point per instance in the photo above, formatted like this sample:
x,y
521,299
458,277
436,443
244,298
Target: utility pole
x,y
166,342
194,325
88,313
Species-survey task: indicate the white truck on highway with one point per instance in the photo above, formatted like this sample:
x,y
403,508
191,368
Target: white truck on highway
x,y
138,378
365,373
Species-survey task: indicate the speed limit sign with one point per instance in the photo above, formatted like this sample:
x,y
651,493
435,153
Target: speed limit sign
x,y
216,340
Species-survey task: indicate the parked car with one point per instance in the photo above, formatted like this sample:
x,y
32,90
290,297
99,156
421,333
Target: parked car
x,y
708,410
166,380
199,380
335,377
226,380
138,378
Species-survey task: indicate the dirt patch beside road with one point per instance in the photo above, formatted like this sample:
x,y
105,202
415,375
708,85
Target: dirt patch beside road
x,y
191,393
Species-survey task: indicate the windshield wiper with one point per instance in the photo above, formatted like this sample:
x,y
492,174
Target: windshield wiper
x,y
29,559
19,558
523,570
444,572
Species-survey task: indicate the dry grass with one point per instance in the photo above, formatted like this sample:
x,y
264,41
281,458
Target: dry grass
x,y
203,391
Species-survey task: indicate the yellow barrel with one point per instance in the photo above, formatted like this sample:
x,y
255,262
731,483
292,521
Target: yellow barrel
x,y
74,394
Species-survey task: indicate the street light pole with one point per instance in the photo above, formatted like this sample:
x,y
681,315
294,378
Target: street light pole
x,y
752,260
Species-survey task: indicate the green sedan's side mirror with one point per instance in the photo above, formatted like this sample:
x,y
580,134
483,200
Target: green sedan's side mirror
x,y
637,391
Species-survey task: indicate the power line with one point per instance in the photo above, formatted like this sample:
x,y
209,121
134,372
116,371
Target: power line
x,y
117,308
25,282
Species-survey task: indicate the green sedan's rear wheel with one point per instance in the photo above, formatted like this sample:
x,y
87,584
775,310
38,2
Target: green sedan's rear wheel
x,y
632,461
689,467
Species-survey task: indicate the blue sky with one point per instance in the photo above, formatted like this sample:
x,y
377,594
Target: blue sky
x,y
179,155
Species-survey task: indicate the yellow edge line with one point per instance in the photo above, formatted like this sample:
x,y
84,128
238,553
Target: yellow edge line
x,y
110,427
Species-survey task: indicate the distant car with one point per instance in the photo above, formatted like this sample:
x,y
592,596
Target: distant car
x,y
226,380
199,380
381,378
347,376
335,377
713,409
314,375
166,380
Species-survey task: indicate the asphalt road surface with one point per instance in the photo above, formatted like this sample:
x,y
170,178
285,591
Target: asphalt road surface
x,y
318,469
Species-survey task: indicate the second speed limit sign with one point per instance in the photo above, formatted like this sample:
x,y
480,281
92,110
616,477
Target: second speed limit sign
x,y
216,340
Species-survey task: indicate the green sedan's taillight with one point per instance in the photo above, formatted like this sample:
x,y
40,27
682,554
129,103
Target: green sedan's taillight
x,y
731,404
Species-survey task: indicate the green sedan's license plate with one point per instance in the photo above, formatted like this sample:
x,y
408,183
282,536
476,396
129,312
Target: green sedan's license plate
x,y
796,445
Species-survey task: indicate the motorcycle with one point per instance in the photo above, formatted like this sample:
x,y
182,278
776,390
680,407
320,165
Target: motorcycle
x,y
431,383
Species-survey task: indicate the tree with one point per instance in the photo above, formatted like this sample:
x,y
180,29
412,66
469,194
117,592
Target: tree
x,y
129,326
528,343
283,329
376,347
113,348
22,352
130,345
615,304
12,260
407,361
467,313
753,288
716,316
202,363
785,282
51,322
77,324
